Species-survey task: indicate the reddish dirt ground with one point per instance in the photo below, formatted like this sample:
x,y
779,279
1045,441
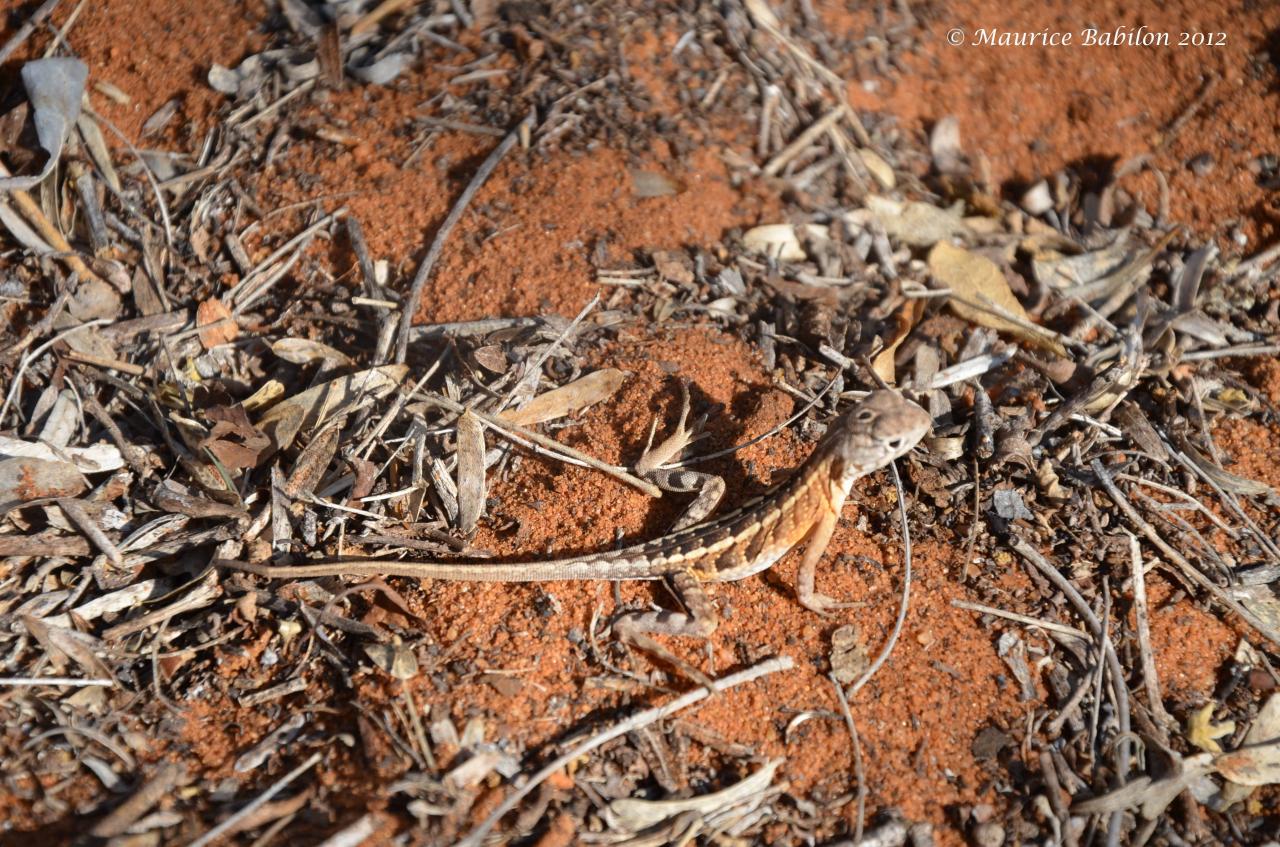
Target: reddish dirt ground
x,y
1031,110
1027,111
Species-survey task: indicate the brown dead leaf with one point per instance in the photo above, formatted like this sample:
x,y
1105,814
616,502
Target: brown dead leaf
x,y
981,294
215,323
1252,766
313,460
471,488
567,399
904,321
25,479
913,223
1258,755
233,439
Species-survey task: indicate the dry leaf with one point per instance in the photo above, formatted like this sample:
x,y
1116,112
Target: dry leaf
x,y
300,351
313,460
1149,796
395,659
93,299
215,323
25,479
904,321
915,224
284,420
1251,766
471,489
632,815
879,168
266,395
979,282
567,399
1243,766
54,87
654,184
784,241
95,458
945,147
174,497
233,440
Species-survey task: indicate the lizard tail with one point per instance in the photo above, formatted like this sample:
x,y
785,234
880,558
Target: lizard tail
x,y
557,570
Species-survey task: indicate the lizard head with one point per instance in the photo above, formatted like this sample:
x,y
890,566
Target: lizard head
x,y
873,433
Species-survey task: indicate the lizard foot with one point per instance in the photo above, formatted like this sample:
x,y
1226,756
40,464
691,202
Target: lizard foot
x,y
824,605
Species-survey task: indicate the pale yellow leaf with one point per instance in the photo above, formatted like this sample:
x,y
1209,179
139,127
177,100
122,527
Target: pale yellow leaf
x,y
981,294
913,223
300,351
579,394
1204,733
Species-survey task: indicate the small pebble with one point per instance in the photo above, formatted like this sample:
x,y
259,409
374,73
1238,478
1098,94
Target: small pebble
x,y
1037,200
1202,164
990,834
1266,163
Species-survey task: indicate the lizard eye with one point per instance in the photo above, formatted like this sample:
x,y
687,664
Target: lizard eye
x,y
865,415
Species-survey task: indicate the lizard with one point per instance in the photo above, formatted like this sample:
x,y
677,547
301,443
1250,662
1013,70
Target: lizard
x,y
804,509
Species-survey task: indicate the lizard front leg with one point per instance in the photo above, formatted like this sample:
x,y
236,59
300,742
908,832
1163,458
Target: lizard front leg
x,y
815,545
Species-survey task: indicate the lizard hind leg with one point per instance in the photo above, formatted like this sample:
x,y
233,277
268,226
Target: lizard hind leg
x,y
708,487
699,621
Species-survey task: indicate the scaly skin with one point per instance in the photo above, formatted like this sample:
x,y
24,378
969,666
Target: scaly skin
x,y
866,438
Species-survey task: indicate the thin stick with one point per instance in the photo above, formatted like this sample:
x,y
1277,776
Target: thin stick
x,y
803,140
146,169
1234,350
631,724
35,216
32,681
167,778
36,353
455,214
905,603
762,436
1149,678
230,823
858,774
1051,626
77,514
24,31
535,367
518,434
1184,567
1119,693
